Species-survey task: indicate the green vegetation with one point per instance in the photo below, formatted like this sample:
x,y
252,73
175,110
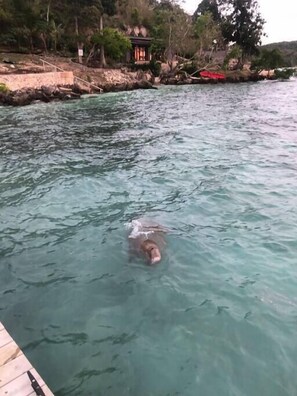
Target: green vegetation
x,y
268,60
208,6
3,88
98,27
284,73
288,51
242,24
207,31
115,43
153,66
272,60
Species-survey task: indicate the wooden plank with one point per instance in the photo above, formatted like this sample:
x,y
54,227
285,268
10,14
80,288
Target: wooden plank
x,y
14,369
9,352
14,380
21,386
4,338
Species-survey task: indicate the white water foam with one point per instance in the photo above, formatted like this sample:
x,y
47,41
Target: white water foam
x,y
137,229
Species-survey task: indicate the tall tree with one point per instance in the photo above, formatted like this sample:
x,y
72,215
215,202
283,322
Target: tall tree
x,y
208,6
172,31
106,7
135,12
84,15
206,31
242,24
115,43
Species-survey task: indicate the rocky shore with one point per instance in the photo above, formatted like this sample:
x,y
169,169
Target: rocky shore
x,y
32,81
26,79
231,78
26,96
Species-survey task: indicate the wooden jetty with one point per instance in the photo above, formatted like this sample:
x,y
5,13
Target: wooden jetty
x,y
14,368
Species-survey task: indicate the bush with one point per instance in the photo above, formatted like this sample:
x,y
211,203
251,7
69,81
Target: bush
x,y
116,44
189,67
153,66
268,60
284,73
3,88
234,52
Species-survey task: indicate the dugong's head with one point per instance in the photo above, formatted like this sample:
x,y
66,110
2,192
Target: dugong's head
x,y
152,251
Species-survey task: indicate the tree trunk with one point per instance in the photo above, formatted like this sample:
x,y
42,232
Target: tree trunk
x,y
43,39
31,44
102,62
76,25
91,54
79,45
55,42
170,54
47,12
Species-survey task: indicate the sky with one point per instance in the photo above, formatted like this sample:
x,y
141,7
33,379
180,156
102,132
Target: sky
x,y
280,17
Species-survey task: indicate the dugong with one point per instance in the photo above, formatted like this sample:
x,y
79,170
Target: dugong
x,y
147,239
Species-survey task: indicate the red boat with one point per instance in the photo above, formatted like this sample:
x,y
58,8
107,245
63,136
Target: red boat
x,y
212,75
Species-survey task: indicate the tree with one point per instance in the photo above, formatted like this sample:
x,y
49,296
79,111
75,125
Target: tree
x,y
268,60
172,31
83,16
135,12
6,16
208,6
235,52
106,7
116,44
206,31
242,24
55,33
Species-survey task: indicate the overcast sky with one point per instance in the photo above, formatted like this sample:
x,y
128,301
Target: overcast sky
x,y
280,16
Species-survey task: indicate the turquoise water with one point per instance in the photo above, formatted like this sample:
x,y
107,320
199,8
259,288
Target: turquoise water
x,y
215,164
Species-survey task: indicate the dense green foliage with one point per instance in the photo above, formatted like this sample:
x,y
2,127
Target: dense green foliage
x,y
208,6
284,73
173,32
288,51
242,24
115,43
51,24
153,66
207,31
68,25
268,60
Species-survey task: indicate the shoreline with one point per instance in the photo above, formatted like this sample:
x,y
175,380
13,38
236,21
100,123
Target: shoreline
x,y
46,94
22,87
30,78
54,93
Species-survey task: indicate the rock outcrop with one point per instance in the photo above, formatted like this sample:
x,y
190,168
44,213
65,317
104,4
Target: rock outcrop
x,y
27,96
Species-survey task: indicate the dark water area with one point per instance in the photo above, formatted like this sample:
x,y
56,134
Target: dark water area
x,y
215,164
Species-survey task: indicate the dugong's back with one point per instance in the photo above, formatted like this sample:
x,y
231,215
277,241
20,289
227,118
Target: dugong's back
x,y
143,229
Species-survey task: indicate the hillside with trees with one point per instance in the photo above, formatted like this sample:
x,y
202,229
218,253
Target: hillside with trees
x,y
98,27
288,51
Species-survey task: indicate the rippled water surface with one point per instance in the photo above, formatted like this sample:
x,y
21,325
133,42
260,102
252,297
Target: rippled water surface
x,y
215,164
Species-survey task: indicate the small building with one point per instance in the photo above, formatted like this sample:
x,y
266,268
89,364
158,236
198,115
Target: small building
x,y
141,42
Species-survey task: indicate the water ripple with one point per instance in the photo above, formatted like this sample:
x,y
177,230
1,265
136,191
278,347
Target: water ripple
x,y
215,164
